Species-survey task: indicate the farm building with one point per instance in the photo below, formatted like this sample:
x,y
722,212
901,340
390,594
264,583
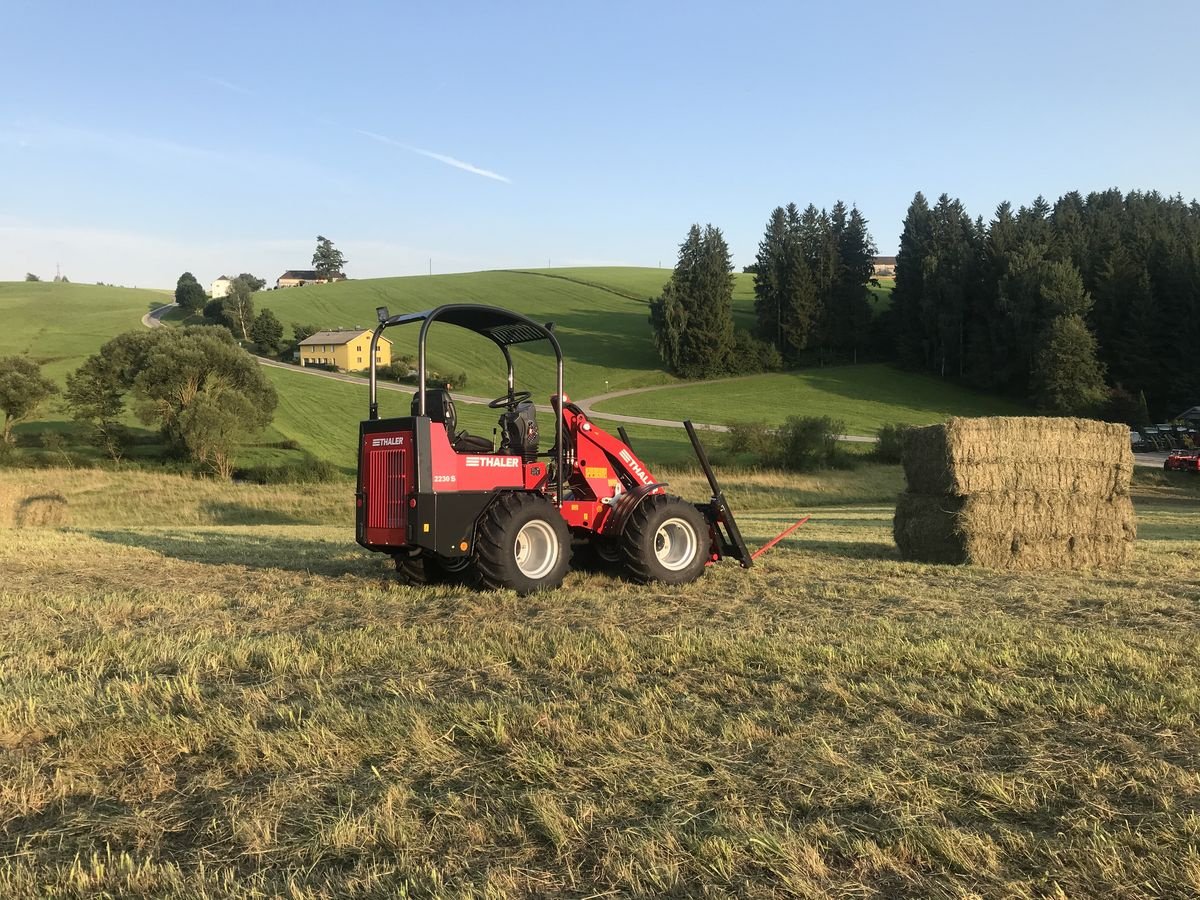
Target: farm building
x,y
345,350
1190,416
298,277
220,287
883,265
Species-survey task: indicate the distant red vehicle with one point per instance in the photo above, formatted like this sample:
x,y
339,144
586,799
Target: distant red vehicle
x,y
1183,461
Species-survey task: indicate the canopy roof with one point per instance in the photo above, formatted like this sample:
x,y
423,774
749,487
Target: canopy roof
x,y
501,325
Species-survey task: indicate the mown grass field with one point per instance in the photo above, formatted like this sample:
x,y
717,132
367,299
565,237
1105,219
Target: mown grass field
x,y
194,707
865,397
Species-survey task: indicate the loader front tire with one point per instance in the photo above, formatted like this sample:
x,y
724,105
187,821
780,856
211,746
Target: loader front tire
x,y
666,539
522,543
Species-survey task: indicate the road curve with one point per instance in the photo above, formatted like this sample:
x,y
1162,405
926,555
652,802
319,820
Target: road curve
x,y
153,319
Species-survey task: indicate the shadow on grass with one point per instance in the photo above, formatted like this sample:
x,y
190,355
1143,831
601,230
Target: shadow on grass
x,y
266,551
852,549
225,513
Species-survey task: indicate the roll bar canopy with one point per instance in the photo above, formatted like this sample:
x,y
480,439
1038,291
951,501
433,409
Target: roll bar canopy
x,y
501,326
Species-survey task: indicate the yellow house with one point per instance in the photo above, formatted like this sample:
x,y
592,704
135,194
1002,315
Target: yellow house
x,y
345,350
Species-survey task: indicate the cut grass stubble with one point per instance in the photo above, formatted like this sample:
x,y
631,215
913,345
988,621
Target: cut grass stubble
x,y
228,710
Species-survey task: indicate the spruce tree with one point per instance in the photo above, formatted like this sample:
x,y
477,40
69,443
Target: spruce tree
x,y
785,302
848,310
693,319
912,343
1067,377
769,279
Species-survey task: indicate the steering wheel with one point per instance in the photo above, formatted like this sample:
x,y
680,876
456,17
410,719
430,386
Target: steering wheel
x,y
507,402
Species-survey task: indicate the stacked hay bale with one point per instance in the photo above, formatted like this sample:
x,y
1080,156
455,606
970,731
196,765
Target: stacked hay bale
x,y
1017,493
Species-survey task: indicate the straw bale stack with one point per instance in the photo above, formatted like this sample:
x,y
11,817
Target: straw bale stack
x,y
1017,493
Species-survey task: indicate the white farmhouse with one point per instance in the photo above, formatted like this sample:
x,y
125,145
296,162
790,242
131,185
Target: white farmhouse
x,y
220,287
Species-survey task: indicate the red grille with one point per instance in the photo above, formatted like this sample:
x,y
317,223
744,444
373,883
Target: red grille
x,y
387,507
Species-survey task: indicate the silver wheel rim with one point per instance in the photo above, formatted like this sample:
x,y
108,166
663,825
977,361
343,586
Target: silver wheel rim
x,y
675,544
536,549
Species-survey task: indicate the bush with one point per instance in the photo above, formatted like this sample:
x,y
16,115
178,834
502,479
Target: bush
x,y
757,438
800,444
751,355
890,443
310,471
807,443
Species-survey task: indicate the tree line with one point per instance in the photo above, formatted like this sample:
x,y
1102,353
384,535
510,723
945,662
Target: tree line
x,y
1088,305
811,297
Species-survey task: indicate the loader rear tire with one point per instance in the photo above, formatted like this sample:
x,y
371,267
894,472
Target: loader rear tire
x,y
421,569
667,540
522,543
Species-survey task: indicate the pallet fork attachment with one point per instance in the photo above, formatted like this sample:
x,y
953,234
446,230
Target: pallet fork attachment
x,y
717,511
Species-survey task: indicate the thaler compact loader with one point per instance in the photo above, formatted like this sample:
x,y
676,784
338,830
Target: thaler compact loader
x,y
448,504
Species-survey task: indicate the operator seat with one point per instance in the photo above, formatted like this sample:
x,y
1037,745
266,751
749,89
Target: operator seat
x,y
519,431
439,407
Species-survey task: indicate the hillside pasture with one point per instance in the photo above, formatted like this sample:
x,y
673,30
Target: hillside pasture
x,y
865,397
259,710
60,325
605,335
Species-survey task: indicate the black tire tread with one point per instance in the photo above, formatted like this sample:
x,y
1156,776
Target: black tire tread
x,y
416,570
638,534
493,557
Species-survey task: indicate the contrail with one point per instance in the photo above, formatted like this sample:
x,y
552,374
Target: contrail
x,y
440,157
228,85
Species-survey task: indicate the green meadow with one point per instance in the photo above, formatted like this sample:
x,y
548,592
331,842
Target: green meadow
x,y
60,325
865,397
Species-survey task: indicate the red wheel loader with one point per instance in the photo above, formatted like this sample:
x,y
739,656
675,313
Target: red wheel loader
x,y
451,505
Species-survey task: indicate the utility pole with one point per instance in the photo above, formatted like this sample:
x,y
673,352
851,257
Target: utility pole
x,y
431,265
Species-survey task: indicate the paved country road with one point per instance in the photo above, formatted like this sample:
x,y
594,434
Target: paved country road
x,y
153,319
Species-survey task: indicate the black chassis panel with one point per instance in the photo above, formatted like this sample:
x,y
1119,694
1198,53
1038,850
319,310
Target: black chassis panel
x,y
451,519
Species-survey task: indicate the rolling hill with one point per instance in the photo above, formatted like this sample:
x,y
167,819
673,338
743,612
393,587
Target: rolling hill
x,y
600,318
60,325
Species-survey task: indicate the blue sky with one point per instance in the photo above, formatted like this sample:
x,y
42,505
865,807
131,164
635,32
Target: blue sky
x,y
141,139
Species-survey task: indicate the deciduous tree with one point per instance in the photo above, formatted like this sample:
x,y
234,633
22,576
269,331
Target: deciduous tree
x,y
237,308
267,331
189,294
327,259
23,388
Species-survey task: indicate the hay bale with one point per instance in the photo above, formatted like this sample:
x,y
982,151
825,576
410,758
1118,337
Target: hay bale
x,y
925,528
969,456
1017,493
1016,530
46,510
